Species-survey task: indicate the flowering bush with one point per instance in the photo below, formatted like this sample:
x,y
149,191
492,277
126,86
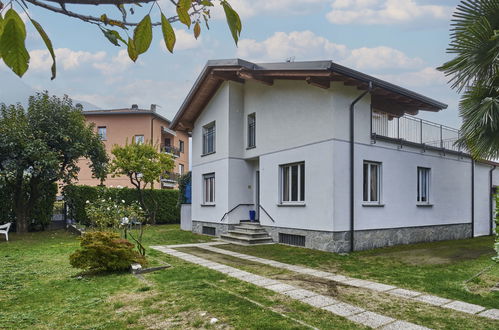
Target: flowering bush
x,y
108,214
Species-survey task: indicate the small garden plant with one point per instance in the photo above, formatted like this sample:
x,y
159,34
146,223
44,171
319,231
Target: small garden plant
x,y
496,242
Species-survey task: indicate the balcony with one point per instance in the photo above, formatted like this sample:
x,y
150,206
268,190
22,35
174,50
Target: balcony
x,y
171,150
411,130
169,180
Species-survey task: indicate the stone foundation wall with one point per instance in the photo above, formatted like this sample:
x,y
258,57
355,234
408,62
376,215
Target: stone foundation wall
x,y
220,228
364,239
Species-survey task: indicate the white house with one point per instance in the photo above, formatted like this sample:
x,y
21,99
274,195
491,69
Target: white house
x,y
324,153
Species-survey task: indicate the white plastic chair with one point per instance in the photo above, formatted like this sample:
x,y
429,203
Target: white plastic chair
x,y
4,229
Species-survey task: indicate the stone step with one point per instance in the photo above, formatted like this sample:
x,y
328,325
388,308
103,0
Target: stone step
x,y
252,230
246,240
243,233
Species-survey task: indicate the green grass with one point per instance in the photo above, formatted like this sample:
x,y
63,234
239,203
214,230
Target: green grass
x,y
39,289
438,268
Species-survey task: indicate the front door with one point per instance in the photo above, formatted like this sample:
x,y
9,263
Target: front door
x,y
257,195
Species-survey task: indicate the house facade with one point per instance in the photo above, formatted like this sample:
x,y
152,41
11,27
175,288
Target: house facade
x,y
328,158
121,126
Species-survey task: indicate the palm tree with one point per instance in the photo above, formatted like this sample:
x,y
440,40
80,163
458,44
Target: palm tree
x,y
475,70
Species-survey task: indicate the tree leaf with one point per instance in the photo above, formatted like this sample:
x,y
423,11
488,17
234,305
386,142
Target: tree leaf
x,y
113,36
233,20
132,51
207,3
197,30
1,30
168,33
183,7
48,44
12,46
142,35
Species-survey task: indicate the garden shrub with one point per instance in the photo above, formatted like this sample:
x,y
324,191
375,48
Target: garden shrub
x,y
184,184
43,209
76,196
105,251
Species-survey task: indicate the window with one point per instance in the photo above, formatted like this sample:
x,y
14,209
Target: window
x,y
293,183
251,130
372,182
181,145
209,188
102,132
423,185
139,139
181,169
209,138
168,142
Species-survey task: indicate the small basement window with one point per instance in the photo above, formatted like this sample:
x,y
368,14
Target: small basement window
x,y
289,239
209,230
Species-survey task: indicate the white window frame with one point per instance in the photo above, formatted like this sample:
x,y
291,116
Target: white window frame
x,y
139,139
103,137
180,169
209,189
286,170
181,146
423,186
251,136
206,150
368,200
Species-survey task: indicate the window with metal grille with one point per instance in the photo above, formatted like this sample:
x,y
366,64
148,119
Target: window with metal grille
x,y
209,138
102,131
290,239
423,185
209,230
293,183
209,188
252,130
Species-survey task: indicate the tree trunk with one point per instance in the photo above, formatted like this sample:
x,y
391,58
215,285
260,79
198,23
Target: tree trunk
x,y
22,220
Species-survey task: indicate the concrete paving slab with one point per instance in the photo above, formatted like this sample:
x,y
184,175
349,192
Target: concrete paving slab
x,y
265,282
371,319
432,300
252,278
300,294
343,309
403,325
280,287
380,287
491,314
320,301
404,293
464,307
358,283
337,278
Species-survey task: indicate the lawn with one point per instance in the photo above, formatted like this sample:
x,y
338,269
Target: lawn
x,y
439,268
38,289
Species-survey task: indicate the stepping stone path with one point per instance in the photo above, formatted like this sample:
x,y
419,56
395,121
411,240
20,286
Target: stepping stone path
x,y
390,289
351,312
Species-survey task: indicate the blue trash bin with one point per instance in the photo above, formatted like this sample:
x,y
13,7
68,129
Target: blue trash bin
x,y
252,215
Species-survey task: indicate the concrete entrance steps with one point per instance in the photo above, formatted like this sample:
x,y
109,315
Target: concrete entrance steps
x,y
247,233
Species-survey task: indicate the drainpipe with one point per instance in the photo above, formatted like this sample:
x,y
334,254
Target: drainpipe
x,y
491,200
472,198
352,160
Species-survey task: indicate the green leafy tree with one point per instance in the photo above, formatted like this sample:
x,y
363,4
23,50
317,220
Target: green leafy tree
x,y
115,25
475,70
40,146
144,165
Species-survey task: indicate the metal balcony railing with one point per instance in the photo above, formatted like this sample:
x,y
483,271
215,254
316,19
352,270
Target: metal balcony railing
x,y
171,150
416,130
170,176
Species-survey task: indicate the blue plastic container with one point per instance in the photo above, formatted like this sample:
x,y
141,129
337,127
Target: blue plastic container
x,y
252,215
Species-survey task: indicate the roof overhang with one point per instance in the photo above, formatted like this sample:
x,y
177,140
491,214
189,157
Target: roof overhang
x,y
385,96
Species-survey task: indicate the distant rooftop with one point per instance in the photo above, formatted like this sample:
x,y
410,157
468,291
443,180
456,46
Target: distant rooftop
x,y
134,110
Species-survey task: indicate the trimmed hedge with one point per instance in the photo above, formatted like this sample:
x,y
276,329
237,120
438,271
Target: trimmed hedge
x,y
77,196
42,211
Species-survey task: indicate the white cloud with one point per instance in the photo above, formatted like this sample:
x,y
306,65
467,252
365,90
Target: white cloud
x,y
250,8
118,64
385,12
67,58
427,76
305,45
184,40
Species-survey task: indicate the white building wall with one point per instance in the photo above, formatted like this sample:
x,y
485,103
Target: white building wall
x,y
482,198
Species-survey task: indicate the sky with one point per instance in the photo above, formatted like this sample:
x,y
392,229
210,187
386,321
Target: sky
x,y
401,41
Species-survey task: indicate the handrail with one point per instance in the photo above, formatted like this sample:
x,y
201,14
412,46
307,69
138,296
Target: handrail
x,y
235,207
267,213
